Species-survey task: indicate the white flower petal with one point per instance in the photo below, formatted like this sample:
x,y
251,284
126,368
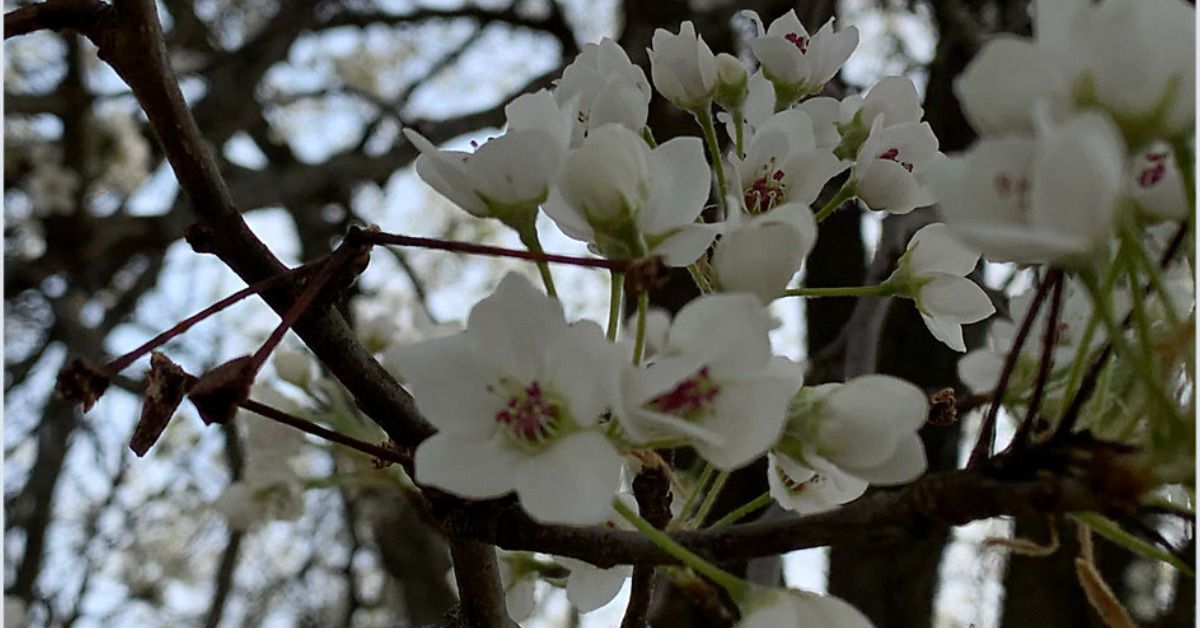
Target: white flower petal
x,y
467,467
572,482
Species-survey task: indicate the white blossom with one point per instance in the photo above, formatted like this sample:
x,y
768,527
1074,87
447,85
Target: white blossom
x,y
850,435
761,255
506,178
799,65
783,163
889,173
715,384
683,68
628,200
1156,185
605,87
1053,198
518,405
933,272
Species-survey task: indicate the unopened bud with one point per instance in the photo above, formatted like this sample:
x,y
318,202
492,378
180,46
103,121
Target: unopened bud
x,y
732,79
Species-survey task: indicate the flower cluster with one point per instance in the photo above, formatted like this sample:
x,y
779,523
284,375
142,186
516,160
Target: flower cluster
x,y
562,413
1075,130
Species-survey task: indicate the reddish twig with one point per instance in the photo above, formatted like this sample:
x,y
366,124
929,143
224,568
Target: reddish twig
x,y
495,251
1055,276
987,431
308,427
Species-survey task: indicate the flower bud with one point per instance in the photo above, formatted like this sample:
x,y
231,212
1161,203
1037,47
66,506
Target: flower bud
x,y
732,82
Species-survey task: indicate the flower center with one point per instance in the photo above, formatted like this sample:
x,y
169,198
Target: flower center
x,y
691,398
1152,175
531,416
1012,189
766,191
799,41
893,154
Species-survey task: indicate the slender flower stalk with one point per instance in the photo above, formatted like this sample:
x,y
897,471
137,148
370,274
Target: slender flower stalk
x,y
616,283
710,499
639,341
737,588
844,194
396,239
308,427
737,514
705,120
880,290
122,362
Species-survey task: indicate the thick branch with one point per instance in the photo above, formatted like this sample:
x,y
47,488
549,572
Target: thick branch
x,y
85,16
930,504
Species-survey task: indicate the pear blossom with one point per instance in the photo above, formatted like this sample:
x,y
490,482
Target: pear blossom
x,y
1053,198
1148,82
933,272
783,164
683,68
890,169
893,99
1000,87
629,200
799,65
1156,186
863,431
602,86
792,607
761,255
517,407
506,178
540,110
808,489
715,383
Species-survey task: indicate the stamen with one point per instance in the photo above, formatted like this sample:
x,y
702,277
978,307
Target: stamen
x,y
691,399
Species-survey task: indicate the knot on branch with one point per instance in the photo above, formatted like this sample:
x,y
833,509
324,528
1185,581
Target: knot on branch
x,y
219,392
81,382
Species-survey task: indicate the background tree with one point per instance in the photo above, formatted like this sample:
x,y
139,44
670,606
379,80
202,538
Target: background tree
x,y
301,104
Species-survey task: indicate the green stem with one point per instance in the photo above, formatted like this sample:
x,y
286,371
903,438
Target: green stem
x,y
881,290
846,193
702,283
736,514
1141,259
529,238
705,476
710,499
639,340
1108,529
705,120
1144,369
648,135
617,280
1083,350
737,588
